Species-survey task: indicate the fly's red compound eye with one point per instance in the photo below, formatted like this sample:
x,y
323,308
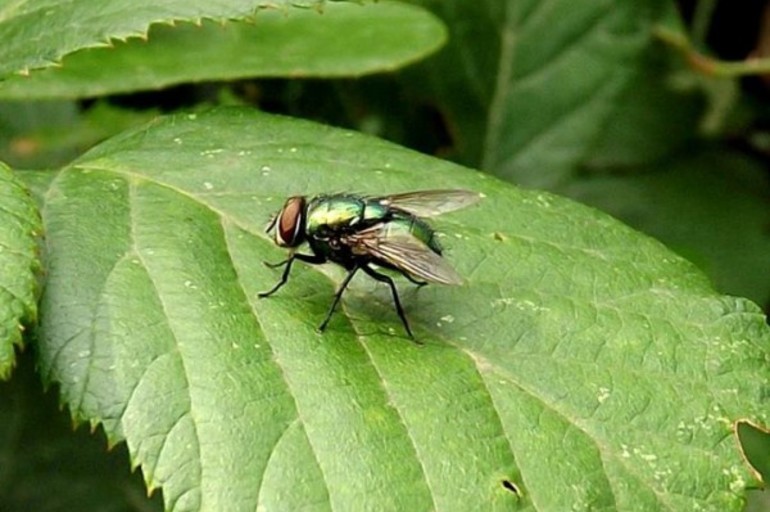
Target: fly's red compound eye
x,y
291,223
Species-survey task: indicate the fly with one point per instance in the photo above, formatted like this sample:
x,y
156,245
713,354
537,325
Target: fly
x,y
358,231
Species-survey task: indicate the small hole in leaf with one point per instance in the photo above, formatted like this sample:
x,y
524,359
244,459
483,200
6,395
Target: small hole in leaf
x,y
511,487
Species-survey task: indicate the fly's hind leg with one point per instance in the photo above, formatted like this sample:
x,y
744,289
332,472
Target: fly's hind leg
x,y
386,279
419,284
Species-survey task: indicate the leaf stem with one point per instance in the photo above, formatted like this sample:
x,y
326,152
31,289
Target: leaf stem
x,y
709,65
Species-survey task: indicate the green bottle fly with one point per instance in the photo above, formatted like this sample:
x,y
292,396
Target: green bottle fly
x,y
356,232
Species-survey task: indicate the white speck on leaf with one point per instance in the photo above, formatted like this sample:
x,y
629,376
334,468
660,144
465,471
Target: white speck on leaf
x,y
521,305
738,483
543,200
208,185
604,394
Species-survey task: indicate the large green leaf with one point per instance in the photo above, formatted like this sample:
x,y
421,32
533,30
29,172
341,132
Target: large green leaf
x,y
342,40
582,363
19,263
38,33
529,86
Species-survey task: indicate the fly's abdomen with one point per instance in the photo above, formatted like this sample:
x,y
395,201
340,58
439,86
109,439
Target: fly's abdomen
x,y
407,224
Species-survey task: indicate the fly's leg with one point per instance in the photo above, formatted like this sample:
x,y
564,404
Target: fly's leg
x,y
276,265
307,258
284,276
419,284
337,297
385,279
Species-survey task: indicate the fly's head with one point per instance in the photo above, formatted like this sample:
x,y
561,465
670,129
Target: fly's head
x,y
289,223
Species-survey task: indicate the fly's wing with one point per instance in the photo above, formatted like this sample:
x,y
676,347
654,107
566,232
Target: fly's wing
x,y
404,252
429,203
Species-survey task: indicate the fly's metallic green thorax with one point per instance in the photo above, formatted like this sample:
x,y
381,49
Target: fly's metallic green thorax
x,y
357,231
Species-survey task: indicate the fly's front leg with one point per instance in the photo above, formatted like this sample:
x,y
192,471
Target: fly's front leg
x,y
307,258
284,277
276,265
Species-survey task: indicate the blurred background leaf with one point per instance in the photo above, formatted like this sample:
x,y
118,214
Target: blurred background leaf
x,y
20,228
342,40
38,33
48,466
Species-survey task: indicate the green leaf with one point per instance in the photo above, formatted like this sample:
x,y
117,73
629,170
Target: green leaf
x,y
296,43
654,117
48,468
709,206
19,263
536,81
38,33
582,363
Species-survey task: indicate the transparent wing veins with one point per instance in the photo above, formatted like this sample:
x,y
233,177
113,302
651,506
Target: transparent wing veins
x,y
404,252
429,203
